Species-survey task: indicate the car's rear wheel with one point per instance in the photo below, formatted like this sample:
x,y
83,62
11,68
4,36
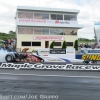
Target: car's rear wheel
x,y
9,58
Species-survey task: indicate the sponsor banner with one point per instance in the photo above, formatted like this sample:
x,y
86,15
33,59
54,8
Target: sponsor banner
x,y
91,57
61,22
48,38
44,21
57,51
65,22
90,51
50,21
43,51
31,20
70,52
49,66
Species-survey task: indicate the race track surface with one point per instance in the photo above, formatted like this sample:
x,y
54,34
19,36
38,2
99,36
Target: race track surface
x,y
66,88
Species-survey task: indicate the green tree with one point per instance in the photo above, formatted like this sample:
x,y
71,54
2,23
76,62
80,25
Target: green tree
x,y
52,45
12,34
5,36
76,45
64,45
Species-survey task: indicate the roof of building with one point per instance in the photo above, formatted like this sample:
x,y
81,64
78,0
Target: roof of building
x,y
47,9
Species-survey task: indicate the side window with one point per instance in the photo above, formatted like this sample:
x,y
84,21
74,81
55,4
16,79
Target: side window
x,y
36,43
21,15
56,17
45,31
53,16
37,31
29,30
26,43
59,17
66,17
21,30
57,43
69,43
29,15
37,16
45,16
73,18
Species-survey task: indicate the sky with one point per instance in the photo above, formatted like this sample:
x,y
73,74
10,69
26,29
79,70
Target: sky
x,y
89,12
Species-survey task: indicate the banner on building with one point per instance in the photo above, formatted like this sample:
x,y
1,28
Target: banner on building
x,y
90,51
44,21
48,38
57,51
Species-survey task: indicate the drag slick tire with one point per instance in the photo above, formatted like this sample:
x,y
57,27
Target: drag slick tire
x,y
9,58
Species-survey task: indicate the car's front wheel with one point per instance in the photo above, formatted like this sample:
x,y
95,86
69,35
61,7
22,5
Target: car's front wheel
x,y
9,58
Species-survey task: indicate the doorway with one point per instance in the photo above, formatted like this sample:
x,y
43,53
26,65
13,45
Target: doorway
x,y
46,44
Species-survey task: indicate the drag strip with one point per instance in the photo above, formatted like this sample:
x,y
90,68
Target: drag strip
x,y
69,72
55,73
65,88
40,83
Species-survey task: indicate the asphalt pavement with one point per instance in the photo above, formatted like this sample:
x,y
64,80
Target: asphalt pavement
x,y
28,87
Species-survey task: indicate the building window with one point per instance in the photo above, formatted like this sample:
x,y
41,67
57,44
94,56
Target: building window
x,y
21,30
59,17
57,43
29,30
73,18
29,15
73,32
26,43
53,17
45,16
45,31
66,17
56,31
69,43
36,43
67,31
56,17
70,31
21,15
37,31
37,16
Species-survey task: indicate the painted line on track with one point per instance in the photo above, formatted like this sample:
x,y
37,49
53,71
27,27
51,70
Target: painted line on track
x,y
48,75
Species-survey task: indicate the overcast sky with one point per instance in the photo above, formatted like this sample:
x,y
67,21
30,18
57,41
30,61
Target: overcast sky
x,y
89,12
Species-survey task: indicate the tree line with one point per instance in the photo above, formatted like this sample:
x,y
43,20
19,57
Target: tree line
x,y
85,39
4,36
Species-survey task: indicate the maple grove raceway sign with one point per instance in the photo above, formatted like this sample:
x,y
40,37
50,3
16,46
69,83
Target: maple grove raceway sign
x,y
43,66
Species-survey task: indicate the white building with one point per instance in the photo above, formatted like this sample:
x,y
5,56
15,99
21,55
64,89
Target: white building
x,y
37,27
